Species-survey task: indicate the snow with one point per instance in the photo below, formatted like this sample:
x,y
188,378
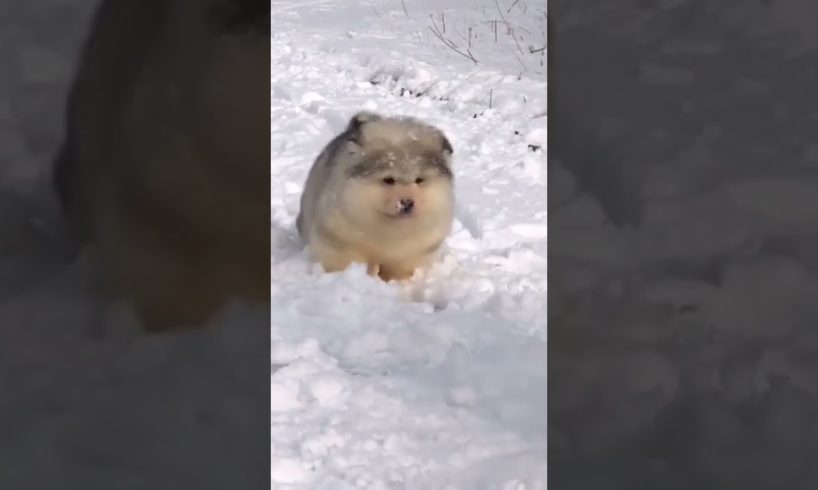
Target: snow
x,y
437,383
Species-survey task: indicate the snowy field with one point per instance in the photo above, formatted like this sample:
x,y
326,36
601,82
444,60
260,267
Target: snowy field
x,y
439,383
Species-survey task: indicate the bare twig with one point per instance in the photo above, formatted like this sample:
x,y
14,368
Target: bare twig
x,y
436,31
525,68
460,35
510,30
443,20
491,96
538,50
403,2
512,6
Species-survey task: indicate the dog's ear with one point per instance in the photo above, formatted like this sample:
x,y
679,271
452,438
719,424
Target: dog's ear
x,y
446,146
356,123
363,117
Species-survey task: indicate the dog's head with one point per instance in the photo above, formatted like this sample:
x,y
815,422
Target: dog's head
x,y
397,168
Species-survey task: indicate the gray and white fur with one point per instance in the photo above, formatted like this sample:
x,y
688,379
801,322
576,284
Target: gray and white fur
x,y
380,193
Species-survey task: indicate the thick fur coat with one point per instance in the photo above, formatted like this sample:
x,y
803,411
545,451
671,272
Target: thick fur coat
x,y
380,193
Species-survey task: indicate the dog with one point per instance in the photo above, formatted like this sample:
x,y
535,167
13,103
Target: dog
x,y
380,193
163,173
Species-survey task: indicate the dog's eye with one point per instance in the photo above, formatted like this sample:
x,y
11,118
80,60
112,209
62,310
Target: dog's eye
x,y
419,180
389,181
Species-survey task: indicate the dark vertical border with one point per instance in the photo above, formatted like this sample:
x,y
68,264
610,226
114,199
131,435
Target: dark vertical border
x,y
90,396
682,253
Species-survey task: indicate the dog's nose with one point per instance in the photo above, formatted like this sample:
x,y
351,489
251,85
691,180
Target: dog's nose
x,y
406,206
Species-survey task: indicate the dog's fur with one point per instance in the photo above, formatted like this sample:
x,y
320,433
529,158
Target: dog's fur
x,y
350,214
164,170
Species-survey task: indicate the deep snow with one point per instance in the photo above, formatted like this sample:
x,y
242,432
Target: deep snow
x,y
439,382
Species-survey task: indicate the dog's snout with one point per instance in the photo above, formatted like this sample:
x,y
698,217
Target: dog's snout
x,y
406,206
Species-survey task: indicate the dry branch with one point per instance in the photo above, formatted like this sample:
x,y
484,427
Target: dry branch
x,y
508,26
436,31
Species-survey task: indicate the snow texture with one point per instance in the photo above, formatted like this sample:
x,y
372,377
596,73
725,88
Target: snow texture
x,y
436,383
439,382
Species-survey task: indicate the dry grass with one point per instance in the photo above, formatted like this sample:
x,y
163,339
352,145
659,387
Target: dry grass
x,y
502,24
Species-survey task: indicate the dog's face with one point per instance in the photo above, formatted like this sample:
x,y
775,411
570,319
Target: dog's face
x,y
405,188
399,172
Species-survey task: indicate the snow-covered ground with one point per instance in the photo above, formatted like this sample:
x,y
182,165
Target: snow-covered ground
x,y
439,383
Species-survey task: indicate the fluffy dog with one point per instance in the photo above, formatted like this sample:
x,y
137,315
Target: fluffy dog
x,y
380,193
164,170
